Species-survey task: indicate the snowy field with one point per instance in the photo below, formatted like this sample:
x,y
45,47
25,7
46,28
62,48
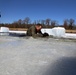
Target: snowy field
x,y
37,56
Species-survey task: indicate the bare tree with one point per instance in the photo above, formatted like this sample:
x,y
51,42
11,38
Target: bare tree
x,y
48,21
36,22
26,20
71,23
43,22
20,21
53,23
65,24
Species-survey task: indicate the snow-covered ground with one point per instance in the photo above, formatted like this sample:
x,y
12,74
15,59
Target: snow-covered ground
x,y
37,56
17,31
70,35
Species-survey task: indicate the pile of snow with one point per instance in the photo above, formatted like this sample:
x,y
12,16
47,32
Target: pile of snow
x,y
4,31
49,31
56,31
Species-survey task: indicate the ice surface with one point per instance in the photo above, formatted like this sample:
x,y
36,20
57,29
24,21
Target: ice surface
x,y
42,56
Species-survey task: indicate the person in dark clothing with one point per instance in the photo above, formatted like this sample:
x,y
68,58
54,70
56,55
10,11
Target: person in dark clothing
x,y
35,31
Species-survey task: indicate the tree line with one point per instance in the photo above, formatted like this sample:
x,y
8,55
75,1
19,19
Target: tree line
x,y
47,23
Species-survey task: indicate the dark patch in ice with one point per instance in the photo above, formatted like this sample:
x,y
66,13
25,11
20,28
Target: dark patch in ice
x,y
64,66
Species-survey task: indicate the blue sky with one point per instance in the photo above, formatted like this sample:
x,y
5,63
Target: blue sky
x,y
13,10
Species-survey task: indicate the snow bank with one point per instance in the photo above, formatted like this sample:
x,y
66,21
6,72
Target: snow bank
x,y
46,30
70,35
18,32
4,31
56,31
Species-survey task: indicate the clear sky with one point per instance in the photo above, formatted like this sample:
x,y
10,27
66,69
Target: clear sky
x,y
13,10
